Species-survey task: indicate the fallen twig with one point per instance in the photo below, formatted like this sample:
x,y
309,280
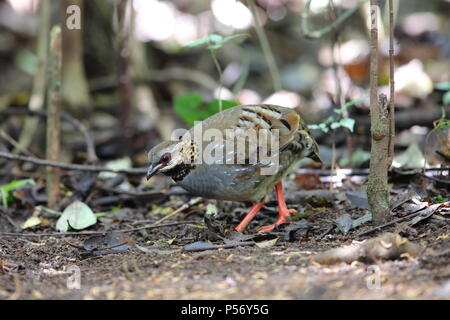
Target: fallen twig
x,y
202,246
435,179
183,207
443,155
412,215
323,234
68,166
14,143
90,146
7,217
91,233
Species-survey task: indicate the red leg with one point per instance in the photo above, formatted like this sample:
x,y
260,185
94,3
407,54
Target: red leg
x,y
283,211
250,215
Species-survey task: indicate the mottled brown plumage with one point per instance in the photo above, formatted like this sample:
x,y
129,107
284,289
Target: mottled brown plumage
x,y
237,175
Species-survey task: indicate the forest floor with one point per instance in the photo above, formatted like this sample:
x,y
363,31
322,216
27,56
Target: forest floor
x,y
42,267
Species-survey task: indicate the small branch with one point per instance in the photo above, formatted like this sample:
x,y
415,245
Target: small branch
x,y
391,83
412,215
90,146
67,166
169,74
435,179
132,193
327,231
14,143
270,59
53,142
333,157
316,34
183,207
443,155
202,246
219,70
5,214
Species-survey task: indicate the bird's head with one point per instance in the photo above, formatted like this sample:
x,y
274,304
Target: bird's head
x,y
311,147
165,157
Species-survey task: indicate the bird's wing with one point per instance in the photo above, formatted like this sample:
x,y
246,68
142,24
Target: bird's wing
x,y
250,122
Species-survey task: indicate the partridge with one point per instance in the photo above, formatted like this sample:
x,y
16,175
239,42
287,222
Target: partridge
x,y
227,163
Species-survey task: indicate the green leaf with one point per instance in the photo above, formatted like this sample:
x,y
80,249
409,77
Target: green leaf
x,y
411,158
77,215
446,98
213,107
187,107
335,125
443,124
212,210
355,101
357,159
190,107
219,44
313,127
27,61
348,123
210,38
440,199
117,164
349,104
442,86
6,190
48,210
214,41
321,126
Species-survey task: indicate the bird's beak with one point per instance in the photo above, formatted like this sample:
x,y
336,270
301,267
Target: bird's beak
x,y
315,157
152,170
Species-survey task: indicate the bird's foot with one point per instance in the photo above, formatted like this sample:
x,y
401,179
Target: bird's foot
x,y
249,216
284,214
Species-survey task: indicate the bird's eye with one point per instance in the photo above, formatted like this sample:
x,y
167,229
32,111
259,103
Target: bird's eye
x,y
165,158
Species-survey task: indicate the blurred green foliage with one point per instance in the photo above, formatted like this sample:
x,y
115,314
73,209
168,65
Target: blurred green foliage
x,y
334,122
214,41
6,191
190,107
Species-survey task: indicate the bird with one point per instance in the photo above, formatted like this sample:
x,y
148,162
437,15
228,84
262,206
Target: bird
x,y
205,166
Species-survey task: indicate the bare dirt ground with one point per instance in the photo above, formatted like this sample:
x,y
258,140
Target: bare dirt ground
x,y
39,268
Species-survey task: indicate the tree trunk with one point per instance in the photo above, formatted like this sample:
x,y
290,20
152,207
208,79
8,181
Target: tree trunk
x,y
381,131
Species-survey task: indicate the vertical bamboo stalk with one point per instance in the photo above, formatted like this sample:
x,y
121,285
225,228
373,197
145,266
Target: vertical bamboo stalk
x,y
37,98
124,66
270,59
54,112
75,91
